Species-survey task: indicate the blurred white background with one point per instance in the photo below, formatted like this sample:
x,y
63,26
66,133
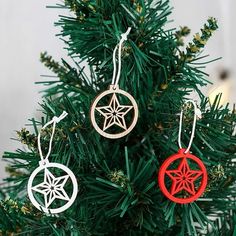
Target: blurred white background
x,y
27,29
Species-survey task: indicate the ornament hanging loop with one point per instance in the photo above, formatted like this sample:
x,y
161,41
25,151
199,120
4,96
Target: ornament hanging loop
x,y
197,113
116,74
54,121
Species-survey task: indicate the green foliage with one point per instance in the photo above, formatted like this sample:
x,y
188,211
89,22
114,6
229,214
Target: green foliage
x,y
53,65
12,214
118,190
200,41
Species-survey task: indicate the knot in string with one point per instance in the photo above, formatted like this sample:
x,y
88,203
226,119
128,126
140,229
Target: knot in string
x,y
54,121
61,117
116,75
125,35
197,113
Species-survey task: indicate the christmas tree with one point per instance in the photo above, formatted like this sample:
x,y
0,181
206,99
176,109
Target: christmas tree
x,y
118,191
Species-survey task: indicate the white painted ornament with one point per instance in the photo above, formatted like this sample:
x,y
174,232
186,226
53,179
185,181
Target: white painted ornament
x,y
50,195
114,112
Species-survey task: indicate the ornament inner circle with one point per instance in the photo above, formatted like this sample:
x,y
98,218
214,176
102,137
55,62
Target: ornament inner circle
x,y
114,113
183,177
52,187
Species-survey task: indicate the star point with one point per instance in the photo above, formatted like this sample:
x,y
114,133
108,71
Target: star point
x,y
52,188
183,178
114,113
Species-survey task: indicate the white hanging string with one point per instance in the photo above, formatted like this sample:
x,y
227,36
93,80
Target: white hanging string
x,y
197,113
54,121
116,75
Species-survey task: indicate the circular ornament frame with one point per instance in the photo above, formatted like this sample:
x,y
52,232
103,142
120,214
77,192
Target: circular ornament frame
x,y
44,165
111,90
162,172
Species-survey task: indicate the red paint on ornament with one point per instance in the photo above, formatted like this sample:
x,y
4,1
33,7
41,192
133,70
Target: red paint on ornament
x,y
183,178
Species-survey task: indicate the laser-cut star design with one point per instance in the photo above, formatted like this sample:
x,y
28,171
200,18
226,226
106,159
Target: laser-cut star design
x,y
183,178
114,113
52,188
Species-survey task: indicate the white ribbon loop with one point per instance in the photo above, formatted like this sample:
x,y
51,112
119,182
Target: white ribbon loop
x,y
54,121
197,113
116,75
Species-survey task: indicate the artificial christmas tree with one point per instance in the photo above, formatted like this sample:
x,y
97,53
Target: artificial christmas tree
x,y
118,193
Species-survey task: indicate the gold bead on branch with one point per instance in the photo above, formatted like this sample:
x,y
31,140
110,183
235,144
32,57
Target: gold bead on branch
x,y
118,177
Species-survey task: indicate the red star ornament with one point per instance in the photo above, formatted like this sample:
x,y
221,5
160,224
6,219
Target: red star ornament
x,y
183,189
